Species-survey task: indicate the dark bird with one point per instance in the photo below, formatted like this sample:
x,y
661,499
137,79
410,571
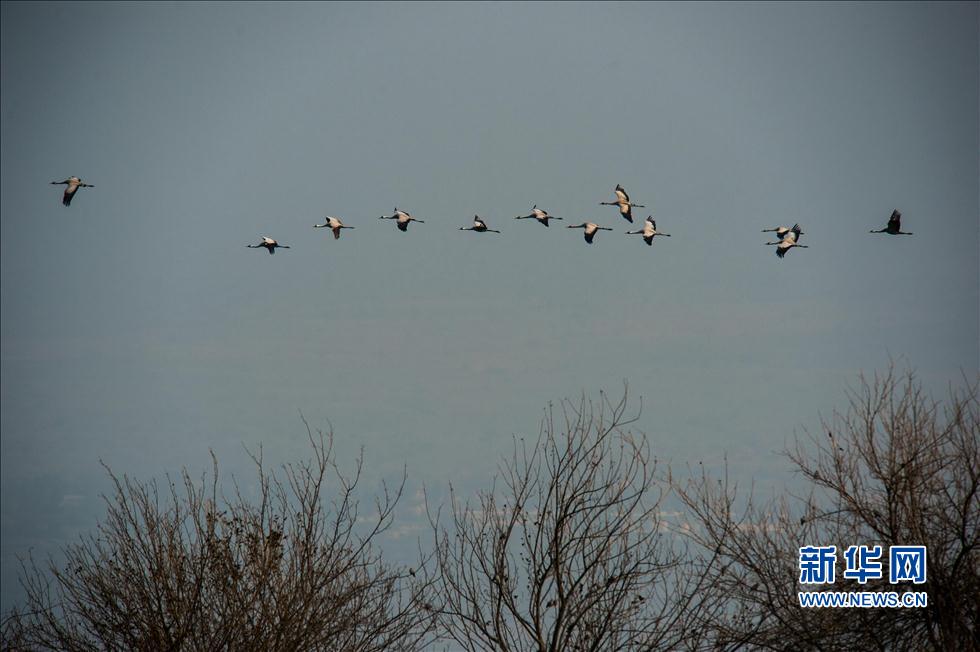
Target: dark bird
x,y
269,244
478,225
894,224
624,203
73,183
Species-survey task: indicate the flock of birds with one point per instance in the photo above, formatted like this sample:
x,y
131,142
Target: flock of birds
x,y
787,237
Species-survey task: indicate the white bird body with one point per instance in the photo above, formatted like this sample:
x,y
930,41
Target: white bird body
x,y
540,215
788,241
649,230
334,225
591,228
623,202
783,231
479,226
894,224
269,244
73,183
402,219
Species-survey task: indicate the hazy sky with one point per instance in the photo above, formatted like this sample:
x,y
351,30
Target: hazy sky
x,y
138,329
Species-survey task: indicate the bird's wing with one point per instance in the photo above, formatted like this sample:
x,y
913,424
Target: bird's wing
x,y
895,220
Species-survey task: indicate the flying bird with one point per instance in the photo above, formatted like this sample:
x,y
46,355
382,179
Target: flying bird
x,y
540,215
781,231
788,241
269,244
649,230
590,229
73,183
623,201
894,224
334,225
403,219
478,225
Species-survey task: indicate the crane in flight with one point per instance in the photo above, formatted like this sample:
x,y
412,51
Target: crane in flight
x,y
649,230
538,214
402,219
624,203
894,224
334,225
269,244
590,229
479,226
781,231
73,183
788,241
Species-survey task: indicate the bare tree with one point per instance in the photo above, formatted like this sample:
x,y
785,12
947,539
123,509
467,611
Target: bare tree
x,y
896,468
565,551
188,568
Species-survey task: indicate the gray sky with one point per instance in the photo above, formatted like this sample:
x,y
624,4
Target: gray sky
x,y
137,328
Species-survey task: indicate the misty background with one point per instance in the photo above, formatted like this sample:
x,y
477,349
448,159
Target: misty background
x,y
138,330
